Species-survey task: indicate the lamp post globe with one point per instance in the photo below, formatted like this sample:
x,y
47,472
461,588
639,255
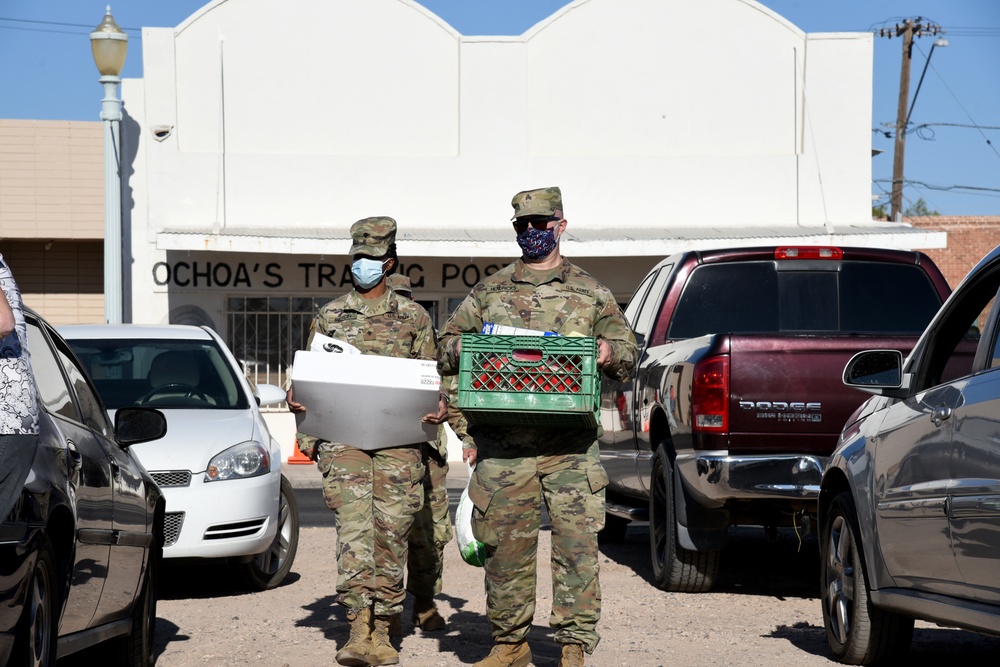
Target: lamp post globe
x,y
109,44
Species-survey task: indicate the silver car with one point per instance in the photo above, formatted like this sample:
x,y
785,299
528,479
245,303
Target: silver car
x,y
909,508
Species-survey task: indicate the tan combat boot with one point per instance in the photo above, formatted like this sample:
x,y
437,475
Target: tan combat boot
x,y
572,655
507,655
356,649
426,615
382,651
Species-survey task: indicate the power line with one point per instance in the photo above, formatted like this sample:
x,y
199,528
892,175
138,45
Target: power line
x,y
967,114
88,26
972,189
51,32
135,32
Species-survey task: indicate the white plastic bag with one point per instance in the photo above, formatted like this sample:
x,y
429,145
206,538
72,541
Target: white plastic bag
x,y
473,551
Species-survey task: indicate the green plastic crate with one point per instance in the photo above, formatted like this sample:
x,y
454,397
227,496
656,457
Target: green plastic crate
x,y
529,381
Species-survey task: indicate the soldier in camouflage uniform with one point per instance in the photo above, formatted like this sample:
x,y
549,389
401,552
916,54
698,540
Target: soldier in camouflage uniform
x,y
517,467
432,528
374,493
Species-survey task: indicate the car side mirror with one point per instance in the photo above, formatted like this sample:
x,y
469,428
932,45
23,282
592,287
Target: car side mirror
x,y
135,425
878,372
268,394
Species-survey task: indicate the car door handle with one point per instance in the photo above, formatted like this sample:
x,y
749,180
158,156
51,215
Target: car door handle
x,y
940,413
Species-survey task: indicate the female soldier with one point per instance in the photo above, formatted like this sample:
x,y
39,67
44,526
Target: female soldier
x,y
374,493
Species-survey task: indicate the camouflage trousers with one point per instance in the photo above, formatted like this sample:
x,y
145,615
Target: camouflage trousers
x,y
507,492
374,495
431,529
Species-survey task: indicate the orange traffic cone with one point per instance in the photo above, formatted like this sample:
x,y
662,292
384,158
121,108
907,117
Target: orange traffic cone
x,y
298,458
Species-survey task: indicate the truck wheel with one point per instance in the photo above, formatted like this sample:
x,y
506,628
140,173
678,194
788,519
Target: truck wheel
x,y
675,568
859,633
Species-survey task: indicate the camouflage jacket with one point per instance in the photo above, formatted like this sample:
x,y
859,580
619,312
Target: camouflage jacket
x,y
566,300
390,326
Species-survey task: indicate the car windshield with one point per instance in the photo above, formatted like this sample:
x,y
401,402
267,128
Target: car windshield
x,y
165,373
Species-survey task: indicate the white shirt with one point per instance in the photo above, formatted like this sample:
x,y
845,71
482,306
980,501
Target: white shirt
x,y
18,393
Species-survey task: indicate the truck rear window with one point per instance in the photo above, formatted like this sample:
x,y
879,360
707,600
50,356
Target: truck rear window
x,y
756,297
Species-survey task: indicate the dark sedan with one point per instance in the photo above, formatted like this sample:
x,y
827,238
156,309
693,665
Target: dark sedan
x,y
79,552
910,503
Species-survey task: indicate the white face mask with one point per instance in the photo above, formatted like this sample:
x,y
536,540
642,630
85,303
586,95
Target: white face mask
x,y
367,272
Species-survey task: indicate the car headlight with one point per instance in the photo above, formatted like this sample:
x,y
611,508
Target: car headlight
x,y
247,459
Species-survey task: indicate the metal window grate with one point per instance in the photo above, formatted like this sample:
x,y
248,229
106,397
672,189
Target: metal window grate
x,y
265,332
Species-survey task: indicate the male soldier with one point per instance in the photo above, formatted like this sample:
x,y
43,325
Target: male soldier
x,y
374,493
517,466
432,525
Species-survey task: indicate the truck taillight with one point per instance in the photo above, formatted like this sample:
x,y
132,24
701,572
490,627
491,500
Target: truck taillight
x,y
710,395
809,252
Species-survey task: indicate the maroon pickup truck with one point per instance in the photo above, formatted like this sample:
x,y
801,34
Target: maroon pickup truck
x,y
737,400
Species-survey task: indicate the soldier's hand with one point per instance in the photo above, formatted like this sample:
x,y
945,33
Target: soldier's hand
x,y
437,417
469,455
312,453
292,405
603,352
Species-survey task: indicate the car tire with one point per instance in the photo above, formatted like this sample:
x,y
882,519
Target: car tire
x,y
859,633
137,648
36,640
269,568
614,531
675,568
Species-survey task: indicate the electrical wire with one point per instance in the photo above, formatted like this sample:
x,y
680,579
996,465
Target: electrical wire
x,y
967,114
133,32
972,189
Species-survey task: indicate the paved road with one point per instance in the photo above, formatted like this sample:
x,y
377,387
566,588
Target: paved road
x,y
763,613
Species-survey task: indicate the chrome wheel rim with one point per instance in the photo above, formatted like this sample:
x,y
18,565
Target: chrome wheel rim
x,y
39,624
271,560
840,579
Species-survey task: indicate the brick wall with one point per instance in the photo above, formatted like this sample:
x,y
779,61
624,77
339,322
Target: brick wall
x,y
969,239
62,280
51,179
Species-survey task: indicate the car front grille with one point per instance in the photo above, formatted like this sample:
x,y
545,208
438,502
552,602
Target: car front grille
x,y
164,478
225,531
173,521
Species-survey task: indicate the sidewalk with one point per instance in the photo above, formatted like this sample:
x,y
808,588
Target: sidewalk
x,y
306,476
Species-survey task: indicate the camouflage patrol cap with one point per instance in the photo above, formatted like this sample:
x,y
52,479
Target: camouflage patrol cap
x,y
373,236
543,201
399,283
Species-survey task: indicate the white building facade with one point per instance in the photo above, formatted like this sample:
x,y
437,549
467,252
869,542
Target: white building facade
x,y
262,130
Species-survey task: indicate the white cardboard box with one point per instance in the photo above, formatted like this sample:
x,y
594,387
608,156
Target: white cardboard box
x,y
364,400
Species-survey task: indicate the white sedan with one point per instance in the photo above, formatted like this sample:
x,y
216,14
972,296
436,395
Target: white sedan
x,y
219,467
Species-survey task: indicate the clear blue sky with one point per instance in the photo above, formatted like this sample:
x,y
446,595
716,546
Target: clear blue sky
x,y
952,159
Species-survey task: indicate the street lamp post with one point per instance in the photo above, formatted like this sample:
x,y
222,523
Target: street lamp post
x,y
109,44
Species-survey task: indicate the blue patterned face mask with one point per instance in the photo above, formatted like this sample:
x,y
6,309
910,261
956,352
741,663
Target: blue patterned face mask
x,y
367,272
537,243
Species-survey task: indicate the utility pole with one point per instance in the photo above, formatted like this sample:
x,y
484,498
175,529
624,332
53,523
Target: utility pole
x,y
909,29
